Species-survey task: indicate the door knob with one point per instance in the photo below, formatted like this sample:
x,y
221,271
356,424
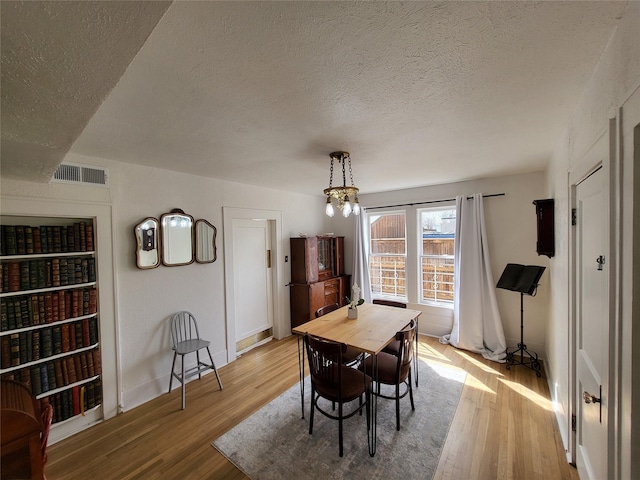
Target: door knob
x,y
588,398
600,262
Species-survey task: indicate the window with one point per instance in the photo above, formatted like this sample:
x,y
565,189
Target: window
x,y
438,231
388,255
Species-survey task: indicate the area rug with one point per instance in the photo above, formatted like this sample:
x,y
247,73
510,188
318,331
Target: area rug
x,y
274,443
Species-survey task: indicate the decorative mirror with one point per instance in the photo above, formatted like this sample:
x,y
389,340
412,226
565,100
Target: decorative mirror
x,y
177,238
205,242
147,240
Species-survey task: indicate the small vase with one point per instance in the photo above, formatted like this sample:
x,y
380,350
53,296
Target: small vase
x,y
352,312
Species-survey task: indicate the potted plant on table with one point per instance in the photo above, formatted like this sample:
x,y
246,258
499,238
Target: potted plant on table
x,y
355,300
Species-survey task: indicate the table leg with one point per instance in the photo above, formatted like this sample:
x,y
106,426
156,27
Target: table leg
x,y
373,410
301,370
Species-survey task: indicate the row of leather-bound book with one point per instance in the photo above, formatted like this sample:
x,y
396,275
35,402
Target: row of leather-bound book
x,y
28,240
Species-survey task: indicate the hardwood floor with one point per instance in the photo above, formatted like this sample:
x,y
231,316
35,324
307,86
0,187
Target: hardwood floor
x,y
504,427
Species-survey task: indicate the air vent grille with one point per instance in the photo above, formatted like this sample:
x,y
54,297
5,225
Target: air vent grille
x,y
81,174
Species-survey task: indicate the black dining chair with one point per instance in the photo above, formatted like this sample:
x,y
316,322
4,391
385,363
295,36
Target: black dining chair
x,y
395,370
394,347
336,382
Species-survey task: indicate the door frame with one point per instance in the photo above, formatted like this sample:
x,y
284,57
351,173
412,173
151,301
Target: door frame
x,y
603,153
275,219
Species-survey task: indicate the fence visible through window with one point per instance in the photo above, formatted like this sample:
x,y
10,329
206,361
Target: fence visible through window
x,y
437,278
388,275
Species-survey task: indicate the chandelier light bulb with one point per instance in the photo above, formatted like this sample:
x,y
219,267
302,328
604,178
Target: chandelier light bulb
x,y
346,210
356,206
329,208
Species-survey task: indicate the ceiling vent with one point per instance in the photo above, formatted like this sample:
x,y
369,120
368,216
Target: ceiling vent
x,y
81,174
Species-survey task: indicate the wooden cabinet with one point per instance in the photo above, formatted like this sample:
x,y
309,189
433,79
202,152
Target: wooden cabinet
x,y
50,325
317,276
545,244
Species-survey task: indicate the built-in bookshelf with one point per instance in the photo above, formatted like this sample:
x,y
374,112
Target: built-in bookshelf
x,y
49,314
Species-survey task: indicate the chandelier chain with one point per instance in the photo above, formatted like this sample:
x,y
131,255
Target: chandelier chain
x,y
350,171
331,174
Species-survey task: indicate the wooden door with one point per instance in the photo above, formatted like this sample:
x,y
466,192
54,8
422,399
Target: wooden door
x,y
592,328
252,278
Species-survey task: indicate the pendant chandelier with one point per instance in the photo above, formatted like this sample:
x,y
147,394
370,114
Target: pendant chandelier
x,y
347,195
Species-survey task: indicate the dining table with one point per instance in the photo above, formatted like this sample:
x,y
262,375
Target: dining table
x,y
373,329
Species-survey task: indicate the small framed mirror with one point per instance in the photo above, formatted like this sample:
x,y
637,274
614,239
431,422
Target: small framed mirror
x,y
205,242
177,238
147,243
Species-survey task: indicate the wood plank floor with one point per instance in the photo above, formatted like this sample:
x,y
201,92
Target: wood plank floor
x,y
504,427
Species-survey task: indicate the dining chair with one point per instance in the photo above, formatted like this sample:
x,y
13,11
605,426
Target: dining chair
x,y
186,339
394,347
395,370
352,355
332,380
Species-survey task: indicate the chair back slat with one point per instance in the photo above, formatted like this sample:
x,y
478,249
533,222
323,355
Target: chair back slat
x,y
183,327
326,309
325,361
406,338
388,303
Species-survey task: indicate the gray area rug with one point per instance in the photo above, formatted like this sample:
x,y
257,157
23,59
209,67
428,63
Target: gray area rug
x,y
274,443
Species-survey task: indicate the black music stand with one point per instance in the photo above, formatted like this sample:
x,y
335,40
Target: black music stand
x,y
523,279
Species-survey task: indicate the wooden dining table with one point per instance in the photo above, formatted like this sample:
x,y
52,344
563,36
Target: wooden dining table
x,y
375,327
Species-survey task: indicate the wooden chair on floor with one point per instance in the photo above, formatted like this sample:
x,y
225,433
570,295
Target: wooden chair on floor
x,y
352,355
186,339
396,370
394,347
332,380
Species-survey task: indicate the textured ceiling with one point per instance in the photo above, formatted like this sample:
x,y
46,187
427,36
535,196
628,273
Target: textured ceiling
x,y
420,93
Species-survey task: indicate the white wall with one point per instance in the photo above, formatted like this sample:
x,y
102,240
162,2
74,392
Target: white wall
x,y
511,230
613,83
146,298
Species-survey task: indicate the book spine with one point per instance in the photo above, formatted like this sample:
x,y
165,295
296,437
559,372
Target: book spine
x,y
35,342
20,245
13,276
86,336
72,238
97,361
43,239
89,237
5,277
93,330
24,275
15,349
10,241
46,343
28,240
62,269
57,366
66,339
63,239
37,241
44,378
4,319
36,385
56,334
51,375
5,351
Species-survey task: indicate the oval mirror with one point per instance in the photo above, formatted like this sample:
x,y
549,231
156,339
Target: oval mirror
x,y
177,238
147,248
205,242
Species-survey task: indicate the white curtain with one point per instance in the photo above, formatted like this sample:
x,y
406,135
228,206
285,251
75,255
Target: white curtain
x,y
477,325
361,256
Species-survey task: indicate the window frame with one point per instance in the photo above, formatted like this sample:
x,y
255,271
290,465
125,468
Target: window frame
x,y
420,256
407,282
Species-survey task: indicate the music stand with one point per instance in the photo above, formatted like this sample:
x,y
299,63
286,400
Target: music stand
x,y
523,279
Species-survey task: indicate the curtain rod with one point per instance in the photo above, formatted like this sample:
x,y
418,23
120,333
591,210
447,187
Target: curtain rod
x,y
431,201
